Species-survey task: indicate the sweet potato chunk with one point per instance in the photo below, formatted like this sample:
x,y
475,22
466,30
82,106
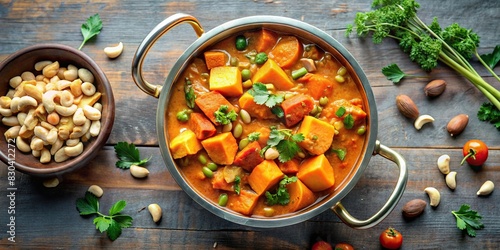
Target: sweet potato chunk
x,y
266,40
226,80
255,110
214,59
218,182
318,135
184,144
290,167
287,52
249,157
221,148
210,102
300,196
244,202
316,173
319,86
296,107
264,176
201,126
271,72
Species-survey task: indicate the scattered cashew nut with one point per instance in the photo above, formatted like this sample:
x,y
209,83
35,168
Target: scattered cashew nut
x,y
155,211
115,51
96,190
434,196
138,172
50,183
421,120
486,188
451,180
443,163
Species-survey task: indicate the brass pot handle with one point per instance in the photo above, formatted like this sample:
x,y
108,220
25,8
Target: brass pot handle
x,y
391,155
150,40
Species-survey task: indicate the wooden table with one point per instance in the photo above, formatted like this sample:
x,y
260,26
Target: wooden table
x,y
47,217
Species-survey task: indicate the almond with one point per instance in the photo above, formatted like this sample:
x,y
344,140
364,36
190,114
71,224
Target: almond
x,y
407,107
414,208
435,88
457,124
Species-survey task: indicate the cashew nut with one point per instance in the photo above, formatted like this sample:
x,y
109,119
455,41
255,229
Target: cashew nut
x,y
48,100
85,75
30,121
486,188
138,172
95,128
115,51
421,120
22,145
63,84
56,146
443,164
79,131
15,81
155,211
451,180
74,150
36,143
41,132
40,65
60,72
51,70
33,91
79,117
76,87
88,88
60,155
72,73
45,156
66,111
5,102
96,190
434,196
10,121
52,136
51,183
5,111
66,98
27,76
91,113
12,132
23,103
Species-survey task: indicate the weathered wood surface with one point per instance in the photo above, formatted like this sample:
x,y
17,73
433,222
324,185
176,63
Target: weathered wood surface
x,y
47,218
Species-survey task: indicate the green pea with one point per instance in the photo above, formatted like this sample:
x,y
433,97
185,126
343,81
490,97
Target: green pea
x,y
246,74
202,159
207,172
241,43
223,199
323,101
261,58
361,130
183,115
212,166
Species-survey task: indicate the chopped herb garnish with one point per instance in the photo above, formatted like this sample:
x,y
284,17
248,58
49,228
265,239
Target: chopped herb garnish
x,y
489,112
348,121
341,153
113,223
285,142
262,96
340,112
281,196
254,136
128,155
237,182
468,219
224,116
189,93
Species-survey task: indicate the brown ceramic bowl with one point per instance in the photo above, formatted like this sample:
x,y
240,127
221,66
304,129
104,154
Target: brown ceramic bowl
x,y
24,60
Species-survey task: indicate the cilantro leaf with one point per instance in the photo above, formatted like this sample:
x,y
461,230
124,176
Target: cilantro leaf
x,y
102,223
91,28
224,116
493,58
254,136
468,219
285,142
117,207
489,112
128,155
262,96
114,230
394,74
87,205
281,196
348,121
124,221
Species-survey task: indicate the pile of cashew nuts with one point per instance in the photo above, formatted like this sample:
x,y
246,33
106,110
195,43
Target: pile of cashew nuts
x,y
52,114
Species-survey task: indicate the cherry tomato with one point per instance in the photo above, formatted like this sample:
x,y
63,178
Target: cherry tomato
x,y
391,238
321,245
343,246
475,152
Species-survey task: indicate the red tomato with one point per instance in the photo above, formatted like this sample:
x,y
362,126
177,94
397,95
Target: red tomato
x,y
391,238
343,246
475,152
321,245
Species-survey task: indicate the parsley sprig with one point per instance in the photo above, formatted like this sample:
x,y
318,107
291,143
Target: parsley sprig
x,y
92,27
224,116
128,155
468,219
262,96
285,142
395,74
113,223
488,112
281,196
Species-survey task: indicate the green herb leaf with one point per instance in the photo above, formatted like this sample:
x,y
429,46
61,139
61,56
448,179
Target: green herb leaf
x,y
102,223
254,136
281,196
468,219
189,94
340,112
285,142
128,155
393,73
341,153
237,188
91,28
124,221
87,205
224,116
348,121
262,96
117,207
490,113
114,230
493,58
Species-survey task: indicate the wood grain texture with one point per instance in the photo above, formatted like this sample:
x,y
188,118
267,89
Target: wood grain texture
x,y
47,218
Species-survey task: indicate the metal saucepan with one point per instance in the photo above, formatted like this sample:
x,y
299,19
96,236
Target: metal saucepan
x,y
305,31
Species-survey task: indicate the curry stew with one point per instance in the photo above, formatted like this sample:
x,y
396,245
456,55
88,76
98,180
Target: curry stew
x,y
265,123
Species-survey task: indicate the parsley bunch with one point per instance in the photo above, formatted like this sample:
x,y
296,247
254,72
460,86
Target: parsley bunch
x,y
427,44
468,219
285,142
113,223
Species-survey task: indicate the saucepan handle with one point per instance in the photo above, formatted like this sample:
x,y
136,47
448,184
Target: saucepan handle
x,y
392,155
150,40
